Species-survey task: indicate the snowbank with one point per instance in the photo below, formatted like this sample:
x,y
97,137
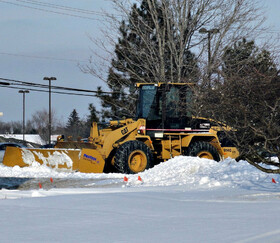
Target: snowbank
x,y
202,173
195,173
31,138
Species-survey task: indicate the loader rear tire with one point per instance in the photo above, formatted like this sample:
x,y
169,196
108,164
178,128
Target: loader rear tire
x,y
203,149
133,157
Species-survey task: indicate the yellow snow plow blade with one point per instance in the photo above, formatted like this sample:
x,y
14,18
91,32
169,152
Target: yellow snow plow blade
x,y
83,160
91,161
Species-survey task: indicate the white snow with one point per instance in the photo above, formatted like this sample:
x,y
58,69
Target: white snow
x,y
28,157
31,138
55,159
196,173
182,200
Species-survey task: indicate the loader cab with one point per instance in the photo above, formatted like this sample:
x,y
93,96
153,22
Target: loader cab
x,y
164,106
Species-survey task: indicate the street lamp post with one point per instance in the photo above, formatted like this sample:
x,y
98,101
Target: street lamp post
x,y
50,106
209,33
23,92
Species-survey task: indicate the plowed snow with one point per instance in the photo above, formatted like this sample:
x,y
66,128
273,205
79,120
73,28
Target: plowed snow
x,y
194,172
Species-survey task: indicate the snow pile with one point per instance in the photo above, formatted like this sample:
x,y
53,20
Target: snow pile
x,y
201,173
195,173
31,138
43,171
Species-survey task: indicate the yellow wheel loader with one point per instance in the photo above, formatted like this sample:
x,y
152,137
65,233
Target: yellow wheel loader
x,y
163,129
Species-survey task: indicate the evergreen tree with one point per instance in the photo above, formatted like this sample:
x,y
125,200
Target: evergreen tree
x,y
144,55
92,117
244,59
73,125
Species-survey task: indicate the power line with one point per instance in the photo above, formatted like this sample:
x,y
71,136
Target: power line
x,y
62,7
50,11
45,91
41,57
70,9
57,92
44,86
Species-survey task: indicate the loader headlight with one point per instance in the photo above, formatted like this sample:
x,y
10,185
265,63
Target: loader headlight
x,y
141,130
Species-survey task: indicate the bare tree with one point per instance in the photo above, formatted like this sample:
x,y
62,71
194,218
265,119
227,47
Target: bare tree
x,y
233,20
40,121
16,127
5,127
177,31
160,41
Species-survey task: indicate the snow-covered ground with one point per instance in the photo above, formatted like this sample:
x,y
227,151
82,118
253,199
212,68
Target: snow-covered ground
x,y
182,200
31,138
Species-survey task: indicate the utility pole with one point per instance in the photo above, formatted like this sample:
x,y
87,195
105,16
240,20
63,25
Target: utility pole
x,y
209,66
50,106
23,92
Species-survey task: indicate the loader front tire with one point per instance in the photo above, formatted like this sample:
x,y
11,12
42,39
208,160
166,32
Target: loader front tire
x,y
203,149
133,157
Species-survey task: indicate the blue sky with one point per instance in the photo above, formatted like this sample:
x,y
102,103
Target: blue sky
x,y
37,33
30,32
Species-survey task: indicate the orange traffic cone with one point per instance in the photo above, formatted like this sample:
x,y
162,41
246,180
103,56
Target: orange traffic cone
x,y
125,179
40,185
139,178
51,179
